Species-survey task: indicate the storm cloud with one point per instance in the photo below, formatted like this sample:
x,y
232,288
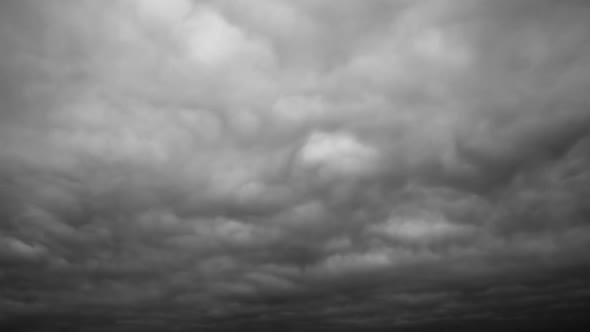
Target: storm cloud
x,y
303,165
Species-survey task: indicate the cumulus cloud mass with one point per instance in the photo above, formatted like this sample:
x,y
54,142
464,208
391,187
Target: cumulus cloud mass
x,y
306,165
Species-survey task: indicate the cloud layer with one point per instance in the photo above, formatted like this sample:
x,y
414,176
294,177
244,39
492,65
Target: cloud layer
x,y
313,165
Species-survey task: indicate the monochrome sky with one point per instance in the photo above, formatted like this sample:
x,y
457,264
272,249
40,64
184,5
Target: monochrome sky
x,y
306,165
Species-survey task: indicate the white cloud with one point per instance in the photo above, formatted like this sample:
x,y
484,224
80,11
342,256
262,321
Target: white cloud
x,y
341,265
338,154
423,227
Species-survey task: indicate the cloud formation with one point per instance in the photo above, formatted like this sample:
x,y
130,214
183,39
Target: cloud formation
x,y
307,165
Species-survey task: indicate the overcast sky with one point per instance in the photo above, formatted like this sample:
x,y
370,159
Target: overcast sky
x,y
307,165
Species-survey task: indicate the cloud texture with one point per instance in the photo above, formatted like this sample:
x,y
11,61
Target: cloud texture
x,y
309,165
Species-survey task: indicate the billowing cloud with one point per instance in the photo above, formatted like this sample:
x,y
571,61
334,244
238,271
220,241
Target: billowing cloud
x,y
308,165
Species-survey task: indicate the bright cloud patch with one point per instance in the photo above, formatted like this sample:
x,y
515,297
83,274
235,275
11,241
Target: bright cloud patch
x,y
338,154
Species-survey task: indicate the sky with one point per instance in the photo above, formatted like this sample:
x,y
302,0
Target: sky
x,y
305,165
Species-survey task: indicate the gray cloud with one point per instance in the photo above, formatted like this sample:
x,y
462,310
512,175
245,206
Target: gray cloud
x,y
314,165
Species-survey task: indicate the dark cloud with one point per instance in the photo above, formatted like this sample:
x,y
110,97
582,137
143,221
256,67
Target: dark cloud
x,y
306,165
